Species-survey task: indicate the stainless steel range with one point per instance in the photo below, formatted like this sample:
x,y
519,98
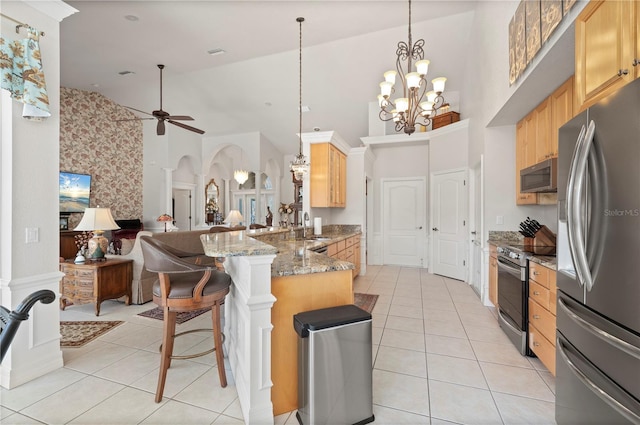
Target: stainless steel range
x,y
513,290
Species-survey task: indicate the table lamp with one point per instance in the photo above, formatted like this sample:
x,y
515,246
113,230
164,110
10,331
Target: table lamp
x,y
97,220
165,218
234,218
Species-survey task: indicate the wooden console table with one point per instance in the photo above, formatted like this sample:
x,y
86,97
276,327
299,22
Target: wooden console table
x,y
95,281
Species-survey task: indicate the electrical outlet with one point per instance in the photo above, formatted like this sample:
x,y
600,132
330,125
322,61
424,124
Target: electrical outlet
x,y
31,235
499,219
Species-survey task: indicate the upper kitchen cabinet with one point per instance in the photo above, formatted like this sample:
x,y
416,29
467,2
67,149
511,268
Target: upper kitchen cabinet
x,y
522,148
562,108
328,176
606,48
544,133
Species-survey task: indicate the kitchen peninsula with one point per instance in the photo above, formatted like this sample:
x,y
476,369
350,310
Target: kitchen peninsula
x,y
274,278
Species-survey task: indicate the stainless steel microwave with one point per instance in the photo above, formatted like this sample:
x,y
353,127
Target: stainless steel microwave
x,y
542,177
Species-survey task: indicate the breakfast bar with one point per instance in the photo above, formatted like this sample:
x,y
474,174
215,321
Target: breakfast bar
x,y
274,278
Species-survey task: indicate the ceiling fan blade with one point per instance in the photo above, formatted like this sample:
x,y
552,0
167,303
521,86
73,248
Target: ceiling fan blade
x,y
160,128
138,110
187,127
180,117
133,119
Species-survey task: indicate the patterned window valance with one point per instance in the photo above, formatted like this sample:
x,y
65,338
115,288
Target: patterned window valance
x,y
22,75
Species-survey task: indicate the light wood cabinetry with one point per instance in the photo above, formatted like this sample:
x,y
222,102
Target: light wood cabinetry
x,y
347,250
521,153
328,176
537,137
493,275
605,49
542,314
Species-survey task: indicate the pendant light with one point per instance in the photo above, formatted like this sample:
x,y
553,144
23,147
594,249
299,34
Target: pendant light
x,y
299,166
241,175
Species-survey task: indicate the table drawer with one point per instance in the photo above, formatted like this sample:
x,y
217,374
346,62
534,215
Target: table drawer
x,y
539,293
543,348
542,319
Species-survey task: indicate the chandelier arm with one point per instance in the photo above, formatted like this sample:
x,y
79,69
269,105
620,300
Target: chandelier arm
x,y
385,116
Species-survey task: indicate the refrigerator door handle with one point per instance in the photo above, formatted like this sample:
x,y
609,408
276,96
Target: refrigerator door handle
x,y
600,333
577,180
571,224
600,392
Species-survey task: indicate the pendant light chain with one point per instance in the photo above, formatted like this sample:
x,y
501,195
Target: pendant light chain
x,y
300,20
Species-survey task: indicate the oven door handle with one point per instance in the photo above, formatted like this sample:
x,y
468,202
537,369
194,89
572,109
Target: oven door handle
x,y
515,271
507,322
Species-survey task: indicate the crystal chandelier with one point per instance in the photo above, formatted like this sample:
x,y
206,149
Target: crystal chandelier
x,y
299,166
241,175
411,109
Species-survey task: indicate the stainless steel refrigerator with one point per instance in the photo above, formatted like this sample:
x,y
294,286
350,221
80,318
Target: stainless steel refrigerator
x,y
598,278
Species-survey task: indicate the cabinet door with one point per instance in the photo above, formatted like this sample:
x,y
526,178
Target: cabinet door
x,y
521,136
529,142
319,175
543,131
604,49
636,60
561,111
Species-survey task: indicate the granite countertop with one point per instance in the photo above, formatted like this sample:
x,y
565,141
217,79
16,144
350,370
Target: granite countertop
x,y
516,239
289,259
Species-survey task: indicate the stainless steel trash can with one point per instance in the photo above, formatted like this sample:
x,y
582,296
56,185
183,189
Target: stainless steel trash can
x,y
334,366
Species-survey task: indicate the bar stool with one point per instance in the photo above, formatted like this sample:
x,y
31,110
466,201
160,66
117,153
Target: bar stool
x,y
184,286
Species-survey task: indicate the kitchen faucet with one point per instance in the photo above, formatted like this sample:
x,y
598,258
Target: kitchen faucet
x,y
305,219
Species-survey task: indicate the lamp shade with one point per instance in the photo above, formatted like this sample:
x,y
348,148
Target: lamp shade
x,y
234,217
97,219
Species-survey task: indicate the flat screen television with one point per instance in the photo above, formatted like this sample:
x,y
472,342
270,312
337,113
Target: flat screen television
x,y
75,190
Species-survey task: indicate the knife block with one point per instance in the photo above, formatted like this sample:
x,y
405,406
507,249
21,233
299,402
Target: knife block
x,y
544,237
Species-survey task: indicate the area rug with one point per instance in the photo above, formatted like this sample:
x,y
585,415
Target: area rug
x,y
77,334
365,301
181,317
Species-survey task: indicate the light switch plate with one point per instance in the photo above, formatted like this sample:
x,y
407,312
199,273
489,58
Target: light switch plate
x,y
499,219
31,235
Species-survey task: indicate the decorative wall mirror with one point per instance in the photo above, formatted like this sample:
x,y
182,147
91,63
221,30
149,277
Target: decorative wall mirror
x,y
213,204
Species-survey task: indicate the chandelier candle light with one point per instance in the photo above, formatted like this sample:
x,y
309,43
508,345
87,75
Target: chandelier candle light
x,y
299,166
97,220
411,109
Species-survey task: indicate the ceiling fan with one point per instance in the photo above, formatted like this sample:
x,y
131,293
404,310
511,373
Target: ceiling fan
x,y
163,116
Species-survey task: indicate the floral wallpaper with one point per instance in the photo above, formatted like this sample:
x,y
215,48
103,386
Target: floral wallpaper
x,y
93,142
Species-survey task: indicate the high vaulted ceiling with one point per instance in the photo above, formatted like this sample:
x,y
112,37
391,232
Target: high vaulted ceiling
x,y
347,45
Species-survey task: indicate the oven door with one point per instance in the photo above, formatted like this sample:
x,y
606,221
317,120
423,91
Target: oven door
x,y
512,302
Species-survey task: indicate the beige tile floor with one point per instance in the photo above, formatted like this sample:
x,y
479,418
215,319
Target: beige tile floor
x,y
439,358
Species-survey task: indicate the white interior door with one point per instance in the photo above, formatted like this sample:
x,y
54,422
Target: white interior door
x,y
476,228
182,208
403,221
449,224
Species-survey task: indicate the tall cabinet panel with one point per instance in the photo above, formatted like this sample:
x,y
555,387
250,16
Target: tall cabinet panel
x,y
328,176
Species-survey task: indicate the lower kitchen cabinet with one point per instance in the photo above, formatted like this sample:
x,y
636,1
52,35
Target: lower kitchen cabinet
x,y
542,314
347,250
493,275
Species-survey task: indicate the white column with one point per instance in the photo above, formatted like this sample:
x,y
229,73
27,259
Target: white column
x,y
248,334
200,201
168,185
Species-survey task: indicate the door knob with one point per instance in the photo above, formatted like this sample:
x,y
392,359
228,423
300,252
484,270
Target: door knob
x,y
622,72
419,228
435,229
473,233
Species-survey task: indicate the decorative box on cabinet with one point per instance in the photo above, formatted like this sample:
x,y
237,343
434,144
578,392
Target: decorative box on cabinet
x,y
606,51
445,119
328,176
542,314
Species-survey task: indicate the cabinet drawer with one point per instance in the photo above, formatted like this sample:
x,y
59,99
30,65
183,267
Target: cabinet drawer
x,y
332,250
539,273
544,349
348,242
552,302
539,293
542,319
341,245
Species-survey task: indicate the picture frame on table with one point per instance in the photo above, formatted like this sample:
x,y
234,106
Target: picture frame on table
x,y
64,223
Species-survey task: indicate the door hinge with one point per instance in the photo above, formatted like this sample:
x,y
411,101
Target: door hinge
x,y
464,262
464,222
464,182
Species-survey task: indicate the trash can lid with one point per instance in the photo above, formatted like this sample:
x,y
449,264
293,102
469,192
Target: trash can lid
x,y
323,318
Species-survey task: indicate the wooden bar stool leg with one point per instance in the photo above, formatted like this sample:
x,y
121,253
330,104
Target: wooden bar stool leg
x,y
217,339
167,350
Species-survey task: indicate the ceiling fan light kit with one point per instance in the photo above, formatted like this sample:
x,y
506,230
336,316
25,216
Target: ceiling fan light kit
x,y
163,116
411,109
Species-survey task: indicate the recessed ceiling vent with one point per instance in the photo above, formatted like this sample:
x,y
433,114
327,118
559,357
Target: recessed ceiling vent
x,y
126,72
